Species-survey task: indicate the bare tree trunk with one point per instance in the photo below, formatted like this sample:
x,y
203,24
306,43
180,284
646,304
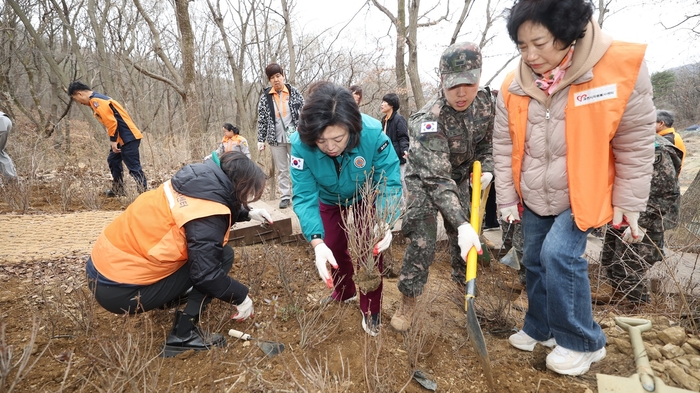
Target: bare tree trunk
x,y
290,43
399,22
191,98
412,41
103,58
460,22
602,10
244,114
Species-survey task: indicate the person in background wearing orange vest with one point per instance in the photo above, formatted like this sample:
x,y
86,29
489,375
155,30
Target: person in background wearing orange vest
x,y
664,127
573,143
233,141
124,136
170,246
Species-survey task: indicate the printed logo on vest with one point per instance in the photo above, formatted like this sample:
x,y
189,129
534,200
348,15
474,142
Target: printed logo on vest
x,y
607,92
297,163
359,162
95,104
428,126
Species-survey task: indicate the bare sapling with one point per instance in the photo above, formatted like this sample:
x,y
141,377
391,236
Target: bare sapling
x,y
20,365
317,376
375,211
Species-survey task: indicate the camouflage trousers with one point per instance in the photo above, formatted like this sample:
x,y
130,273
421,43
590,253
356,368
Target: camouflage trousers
x,y
626,264
512,236
420,227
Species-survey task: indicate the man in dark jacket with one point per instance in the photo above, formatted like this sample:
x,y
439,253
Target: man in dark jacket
x,y
170,244
396,128
278,117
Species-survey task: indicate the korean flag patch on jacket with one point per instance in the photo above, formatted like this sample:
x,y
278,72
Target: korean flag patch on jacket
x,y
297,163
428,126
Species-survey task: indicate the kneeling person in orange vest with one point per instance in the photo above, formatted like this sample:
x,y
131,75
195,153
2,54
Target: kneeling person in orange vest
x,y
170,246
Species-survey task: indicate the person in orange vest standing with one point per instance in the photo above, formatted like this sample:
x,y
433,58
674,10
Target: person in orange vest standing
x,y
664,127
573,144
124,136
233,141
170,247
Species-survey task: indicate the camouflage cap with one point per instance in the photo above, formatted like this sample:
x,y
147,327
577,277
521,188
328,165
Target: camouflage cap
x,y
460,63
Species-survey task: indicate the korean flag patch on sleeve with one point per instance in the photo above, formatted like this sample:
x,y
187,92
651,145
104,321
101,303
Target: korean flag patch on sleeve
x,y
428,126
297,163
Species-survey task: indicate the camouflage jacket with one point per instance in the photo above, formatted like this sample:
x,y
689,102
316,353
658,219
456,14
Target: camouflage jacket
x,y
444,144
664,195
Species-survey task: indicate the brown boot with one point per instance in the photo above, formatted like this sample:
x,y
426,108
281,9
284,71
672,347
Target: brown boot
x,y
401,321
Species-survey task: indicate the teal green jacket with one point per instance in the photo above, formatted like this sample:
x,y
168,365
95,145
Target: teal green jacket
x,y
314,176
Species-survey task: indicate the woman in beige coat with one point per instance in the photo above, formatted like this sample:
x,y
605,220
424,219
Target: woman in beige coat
x,y
573,149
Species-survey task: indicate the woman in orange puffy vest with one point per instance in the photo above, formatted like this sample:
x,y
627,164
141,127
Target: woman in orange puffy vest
x,y
170,246
573,142
233,141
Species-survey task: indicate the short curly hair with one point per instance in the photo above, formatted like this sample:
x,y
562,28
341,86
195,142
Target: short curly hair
x,y
326,105
566,20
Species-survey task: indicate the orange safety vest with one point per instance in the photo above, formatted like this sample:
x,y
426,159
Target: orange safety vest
x,y
233,142
102,111
593,112
677,141
147,242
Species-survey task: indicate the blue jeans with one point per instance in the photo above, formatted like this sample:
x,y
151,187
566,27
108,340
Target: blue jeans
x,y
558,289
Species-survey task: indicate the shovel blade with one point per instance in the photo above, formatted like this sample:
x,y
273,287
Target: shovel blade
x,y
271,348
615,384
476,337
511,259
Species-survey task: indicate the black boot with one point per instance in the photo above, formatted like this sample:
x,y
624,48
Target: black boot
x,y
186,335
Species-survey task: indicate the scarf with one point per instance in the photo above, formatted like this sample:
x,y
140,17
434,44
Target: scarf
x,y
551,79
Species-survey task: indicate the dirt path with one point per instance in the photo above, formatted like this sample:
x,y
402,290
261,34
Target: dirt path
x,y
49,236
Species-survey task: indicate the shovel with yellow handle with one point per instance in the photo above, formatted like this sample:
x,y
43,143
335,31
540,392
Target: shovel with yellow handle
x,y
476,336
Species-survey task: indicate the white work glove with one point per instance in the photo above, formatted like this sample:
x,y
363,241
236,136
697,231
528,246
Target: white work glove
x,y
467,238
486,178
245,310
261,146
325,255
510,213
260,215
384,243
624,217
628,238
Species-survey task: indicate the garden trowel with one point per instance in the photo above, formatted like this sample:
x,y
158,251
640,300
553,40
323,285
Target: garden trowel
x,y
270,348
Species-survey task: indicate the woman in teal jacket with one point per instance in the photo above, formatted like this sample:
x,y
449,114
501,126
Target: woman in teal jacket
x,y
333,152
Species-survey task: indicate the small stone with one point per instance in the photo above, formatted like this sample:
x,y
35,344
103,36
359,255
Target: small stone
x,y
695,361
681,377
623,345
694,372
673,335
689,349
694,341
671,351
657,366
683,361
652,352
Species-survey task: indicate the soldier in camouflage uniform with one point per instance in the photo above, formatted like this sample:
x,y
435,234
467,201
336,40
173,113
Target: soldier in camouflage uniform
x,y
447,135
627,263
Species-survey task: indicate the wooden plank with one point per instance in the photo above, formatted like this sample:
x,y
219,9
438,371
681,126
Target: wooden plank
x,y
252,232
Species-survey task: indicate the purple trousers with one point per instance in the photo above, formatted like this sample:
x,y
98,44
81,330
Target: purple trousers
x,y
337,240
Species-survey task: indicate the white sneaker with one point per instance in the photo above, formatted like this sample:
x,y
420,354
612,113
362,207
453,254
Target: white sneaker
x,y
570,362
524,342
